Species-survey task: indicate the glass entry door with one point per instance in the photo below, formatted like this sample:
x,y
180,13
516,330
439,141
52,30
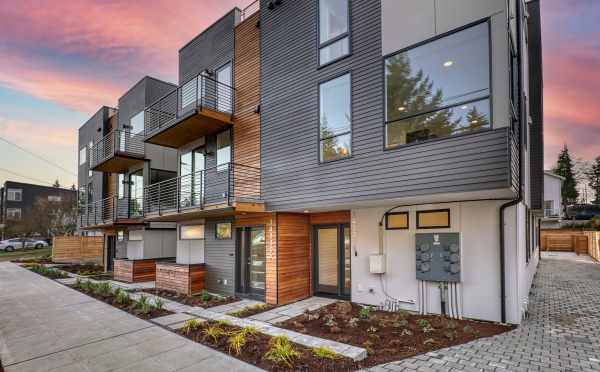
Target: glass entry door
x,y
251,262
191,170
332,258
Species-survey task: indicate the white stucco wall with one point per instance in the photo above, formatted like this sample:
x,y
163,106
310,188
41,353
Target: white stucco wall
x,y
190,251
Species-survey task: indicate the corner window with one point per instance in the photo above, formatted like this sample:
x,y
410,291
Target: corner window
x,y
396,221
335,119
14,195
334,39
439,89
433,219
136,123
223,231
13,214
223,150
191,232
83,156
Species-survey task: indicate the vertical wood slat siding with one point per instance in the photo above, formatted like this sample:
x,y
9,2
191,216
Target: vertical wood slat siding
x,y
294,264
268,220
219,257
186,279
293,178
135,271
327,218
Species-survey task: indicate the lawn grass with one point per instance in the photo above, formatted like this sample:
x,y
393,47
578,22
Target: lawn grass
x,y
25,253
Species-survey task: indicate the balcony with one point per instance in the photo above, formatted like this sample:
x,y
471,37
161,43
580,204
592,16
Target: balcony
x,y
201,107
111,211
223,190
117,151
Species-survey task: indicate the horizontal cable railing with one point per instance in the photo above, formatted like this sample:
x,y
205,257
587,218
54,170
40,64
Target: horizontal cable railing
x,y
250,10
117,142
200,92
219,185
110,210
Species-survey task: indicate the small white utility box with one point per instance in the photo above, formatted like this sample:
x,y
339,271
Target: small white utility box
x,y
377,264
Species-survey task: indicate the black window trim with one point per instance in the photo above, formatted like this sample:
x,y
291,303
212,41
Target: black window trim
x,y
347,34
489,97
447,210
319,139
406,213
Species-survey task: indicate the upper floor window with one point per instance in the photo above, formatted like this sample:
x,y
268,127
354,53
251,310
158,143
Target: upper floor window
x,y
55,198
335,119
334,25
14,195
136,123
120,186
13,214
439,89
82,155
223,150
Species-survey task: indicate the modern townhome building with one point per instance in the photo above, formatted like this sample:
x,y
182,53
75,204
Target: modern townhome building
x,y
20,201
114,166
381,151
553,205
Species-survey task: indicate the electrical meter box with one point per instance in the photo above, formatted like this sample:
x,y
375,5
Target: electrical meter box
x,y
377,264
438,257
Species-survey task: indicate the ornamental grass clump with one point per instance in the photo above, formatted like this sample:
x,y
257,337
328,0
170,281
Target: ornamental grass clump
x,y
324,353
214,333
281,351
190,326
236,342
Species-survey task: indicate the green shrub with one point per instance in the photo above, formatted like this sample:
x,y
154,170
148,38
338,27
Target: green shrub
x,y
365,312
205,296
281,351
103,289
324,353
236,342
422,323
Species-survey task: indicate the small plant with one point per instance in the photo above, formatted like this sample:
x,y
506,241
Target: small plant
x,y
406,332
451,335
353,322
146,308
190,326
330,320
468,329
159,304
104,289
223,322
429,341
365,312
122,297
313,316
141,302
404,314
214,333
205,296
372,330
78,283
422,323
281,351
451,325
324,353
401,323
236,342
249,331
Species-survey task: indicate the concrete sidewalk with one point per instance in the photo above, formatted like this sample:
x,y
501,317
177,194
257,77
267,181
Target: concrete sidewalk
x,y
45,326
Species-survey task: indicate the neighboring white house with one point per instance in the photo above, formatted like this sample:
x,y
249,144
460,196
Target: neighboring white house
x,y
553,212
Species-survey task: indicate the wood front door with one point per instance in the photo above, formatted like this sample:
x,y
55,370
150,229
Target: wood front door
x,y
331,260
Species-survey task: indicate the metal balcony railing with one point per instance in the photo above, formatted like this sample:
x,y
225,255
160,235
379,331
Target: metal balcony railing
x,y
201,92
115,143
218,186
250,10
110,210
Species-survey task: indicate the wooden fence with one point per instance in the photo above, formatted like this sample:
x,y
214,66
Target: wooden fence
x,y
578,241
78,249
594,244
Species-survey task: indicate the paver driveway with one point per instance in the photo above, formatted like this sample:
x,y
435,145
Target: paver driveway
x,y
45,326
561,334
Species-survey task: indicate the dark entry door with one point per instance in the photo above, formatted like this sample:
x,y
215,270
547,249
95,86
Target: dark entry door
x,y
332,274
251,262
111,252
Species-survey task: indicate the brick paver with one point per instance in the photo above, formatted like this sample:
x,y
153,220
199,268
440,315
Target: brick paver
x,y
562,332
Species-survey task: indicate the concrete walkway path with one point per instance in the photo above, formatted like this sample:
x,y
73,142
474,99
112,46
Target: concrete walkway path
x,y
562,333
45,326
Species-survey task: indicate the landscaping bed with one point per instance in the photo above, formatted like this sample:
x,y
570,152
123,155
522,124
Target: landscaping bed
x,y
263,351
83,269
251,310
119,298
389,336
48,272
204,300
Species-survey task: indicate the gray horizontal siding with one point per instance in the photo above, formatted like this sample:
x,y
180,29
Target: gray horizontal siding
x,y
219,256
93,130
294,179
209,50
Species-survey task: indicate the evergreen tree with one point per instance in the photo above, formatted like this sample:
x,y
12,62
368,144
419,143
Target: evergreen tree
x,y
564,168
476,120
594,180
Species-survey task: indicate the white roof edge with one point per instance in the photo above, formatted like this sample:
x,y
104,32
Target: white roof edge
x,y
552,174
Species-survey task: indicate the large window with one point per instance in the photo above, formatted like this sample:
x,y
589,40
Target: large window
x,y
223,150
439,89
13,214
14,195
334,39
335,119
137,123
82,155
136,193
191,232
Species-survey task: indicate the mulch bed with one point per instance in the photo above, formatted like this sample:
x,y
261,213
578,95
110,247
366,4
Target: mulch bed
x,y
130,308
252,310
389,336
196,300
83,270
39,260
257,346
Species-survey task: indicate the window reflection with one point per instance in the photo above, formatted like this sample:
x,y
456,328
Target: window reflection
x,y
335,118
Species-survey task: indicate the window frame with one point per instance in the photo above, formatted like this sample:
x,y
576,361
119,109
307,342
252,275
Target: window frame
x,y
179,230
447,210
406,213
132,133
325,44
15,192
489,97
319,139
230,230
83,159
10,212
224,166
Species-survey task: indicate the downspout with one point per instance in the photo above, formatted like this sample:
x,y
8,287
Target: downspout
x,y
520,192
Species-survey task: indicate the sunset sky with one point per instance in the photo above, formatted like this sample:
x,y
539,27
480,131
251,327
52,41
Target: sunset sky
x,y
61,60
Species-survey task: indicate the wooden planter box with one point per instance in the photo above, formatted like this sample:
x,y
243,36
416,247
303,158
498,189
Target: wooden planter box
x,y
186,279
135,271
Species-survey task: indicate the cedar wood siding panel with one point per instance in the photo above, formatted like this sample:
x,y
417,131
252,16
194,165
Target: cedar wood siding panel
x,y
293,178
219,257
210,49
536,105
293,257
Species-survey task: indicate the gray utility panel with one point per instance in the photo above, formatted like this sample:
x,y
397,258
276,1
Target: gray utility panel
x,y
438,257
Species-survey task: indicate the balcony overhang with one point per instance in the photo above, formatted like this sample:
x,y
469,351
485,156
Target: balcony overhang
x,y
213,210
118,163
197,123
109,225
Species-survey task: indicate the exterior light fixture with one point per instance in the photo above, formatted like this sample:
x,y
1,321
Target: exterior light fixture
x,y
401,108
448,63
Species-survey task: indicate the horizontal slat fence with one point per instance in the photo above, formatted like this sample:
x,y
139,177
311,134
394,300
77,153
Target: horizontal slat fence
x,y
78,249
594,244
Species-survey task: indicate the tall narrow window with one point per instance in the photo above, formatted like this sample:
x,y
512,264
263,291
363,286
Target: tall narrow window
x,y
136,193
121,186
136,123
335,119
439,89
334,36
82,155
223,150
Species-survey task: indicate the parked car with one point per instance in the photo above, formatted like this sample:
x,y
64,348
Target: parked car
x,y
583,212
10,245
